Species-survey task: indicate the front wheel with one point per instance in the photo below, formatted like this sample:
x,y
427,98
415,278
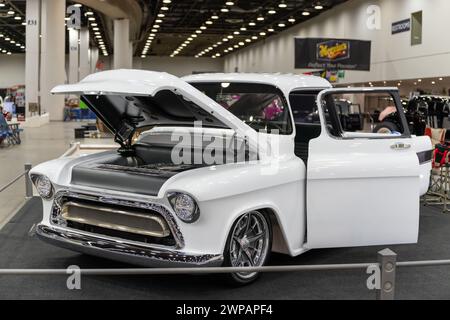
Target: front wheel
x,y
249,245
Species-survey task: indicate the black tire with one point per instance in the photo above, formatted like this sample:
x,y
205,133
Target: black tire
x,y
240,279
386,127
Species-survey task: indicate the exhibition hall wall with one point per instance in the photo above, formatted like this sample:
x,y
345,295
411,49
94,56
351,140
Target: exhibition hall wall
x,y
12,70
392,55
13,66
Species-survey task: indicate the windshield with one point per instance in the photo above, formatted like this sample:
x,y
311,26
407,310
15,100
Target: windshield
x,y
262,107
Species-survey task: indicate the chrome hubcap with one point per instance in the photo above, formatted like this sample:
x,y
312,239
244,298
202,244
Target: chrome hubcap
x,y
250,242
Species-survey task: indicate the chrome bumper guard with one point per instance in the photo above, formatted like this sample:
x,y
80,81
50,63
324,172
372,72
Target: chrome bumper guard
x,y
124,252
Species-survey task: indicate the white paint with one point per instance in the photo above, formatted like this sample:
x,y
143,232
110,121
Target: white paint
x,y
392,55
345,173
52,56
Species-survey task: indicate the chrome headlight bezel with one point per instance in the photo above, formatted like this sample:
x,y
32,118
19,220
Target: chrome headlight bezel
x,y
44,186
190,213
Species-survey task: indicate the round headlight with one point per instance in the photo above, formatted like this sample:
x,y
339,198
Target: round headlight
x,y
44,187
185,207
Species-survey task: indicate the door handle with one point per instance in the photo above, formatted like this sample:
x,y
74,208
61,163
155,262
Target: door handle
x,y
400,146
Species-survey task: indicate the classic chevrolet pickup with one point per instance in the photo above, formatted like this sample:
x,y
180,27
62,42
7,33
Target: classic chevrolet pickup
x,y
222,169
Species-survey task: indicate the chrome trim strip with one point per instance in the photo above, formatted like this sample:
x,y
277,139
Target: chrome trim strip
x,y
129,253
95,215
57,220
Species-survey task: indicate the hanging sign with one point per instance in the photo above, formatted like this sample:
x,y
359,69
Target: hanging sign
x,y
332,54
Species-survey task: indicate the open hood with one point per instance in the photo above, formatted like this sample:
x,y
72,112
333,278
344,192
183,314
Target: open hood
x,y
126,100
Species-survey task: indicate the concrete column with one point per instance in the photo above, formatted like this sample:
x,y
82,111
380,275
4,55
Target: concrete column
x,y
94,59
32,55
74,36
52,56
122,48
85,63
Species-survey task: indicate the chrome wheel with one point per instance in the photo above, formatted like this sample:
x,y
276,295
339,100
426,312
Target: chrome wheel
x,y
250,242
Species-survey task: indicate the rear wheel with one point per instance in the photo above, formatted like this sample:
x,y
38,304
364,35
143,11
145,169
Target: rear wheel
x,y
249,244
386,127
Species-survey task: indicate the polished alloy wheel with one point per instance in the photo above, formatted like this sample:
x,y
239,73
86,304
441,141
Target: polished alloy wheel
x,y
250,242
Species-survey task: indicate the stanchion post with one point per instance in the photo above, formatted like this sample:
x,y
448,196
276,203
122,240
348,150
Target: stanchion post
x,y
28,183
387,260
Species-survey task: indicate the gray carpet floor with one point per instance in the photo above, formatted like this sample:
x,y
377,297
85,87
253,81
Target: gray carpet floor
x,y
20,250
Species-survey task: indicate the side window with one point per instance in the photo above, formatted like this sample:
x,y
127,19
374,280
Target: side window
x,y
304,107
365,113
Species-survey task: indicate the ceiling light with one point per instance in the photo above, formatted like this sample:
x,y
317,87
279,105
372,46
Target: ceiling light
x,y
226,50
24,23
94,24
167,1
91,19
272,11
230,49
281,25
248,40
262,33
230,37
224,10
208,22
433,82
243,29
198,31
241,43
2,4
203,28
154,30
252,24
291,20
420,80
9,53
67,19
318,7
236,46
7,39
161,15
17,18
89,13
225,39
78,5
214,17
254,37
282,5
306,13
193,35
95,29
236,32
229,3
10,12
164,8
158,21
260,18
156,26
219,43
271,30
440,79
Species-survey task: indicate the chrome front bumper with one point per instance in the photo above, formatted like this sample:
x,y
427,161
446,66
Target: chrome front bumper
x,y
124,252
